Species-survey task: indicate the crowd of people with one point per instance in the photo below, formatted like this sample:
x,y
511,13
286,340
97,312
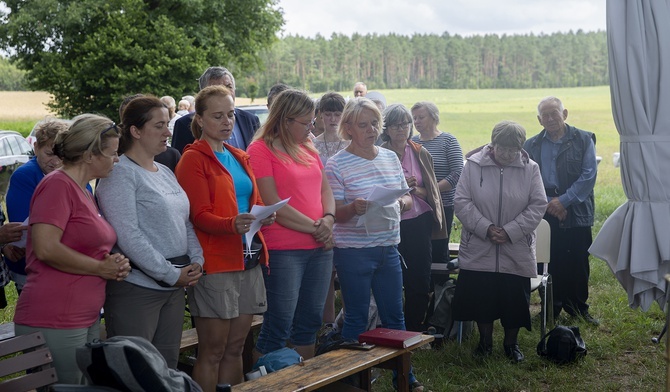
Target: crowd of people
x,y
165,220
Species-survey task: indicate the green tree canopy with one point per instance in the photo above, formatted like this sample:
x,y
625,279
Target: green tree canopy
x,y
91,53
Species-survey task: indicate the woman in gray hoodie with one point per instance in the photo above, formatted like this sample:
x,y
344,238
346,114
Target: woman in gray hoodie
x,y
500,201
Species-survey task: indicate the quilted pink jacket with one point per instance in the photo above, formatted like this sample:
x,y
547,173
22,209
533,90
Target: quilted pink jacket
x,y
511,197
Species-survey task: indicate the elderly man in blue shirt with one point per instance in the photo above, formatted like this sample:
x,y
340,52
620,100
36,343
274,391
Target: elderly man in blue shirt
x,y
567,160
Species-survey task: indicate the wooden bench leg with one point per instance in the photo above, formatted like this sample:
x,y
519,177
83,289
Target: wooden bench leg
x,y
402,366
366,379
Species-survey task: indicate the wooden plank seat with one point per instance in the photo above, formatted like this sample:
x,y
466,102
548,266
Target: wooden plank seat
x,y
442,269
326,370
20,353
6,330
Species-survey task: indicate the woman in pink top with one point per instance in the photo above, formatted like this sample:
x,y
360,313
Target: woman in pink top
x,y
287,165
420,223
68,246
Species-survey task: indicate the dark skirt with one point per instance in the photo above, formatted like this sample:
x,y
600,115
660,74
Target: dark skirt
x,y
487,296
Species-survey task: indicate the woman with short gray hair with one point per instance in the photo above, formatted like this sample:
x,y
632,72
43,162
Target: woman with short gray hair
x,y
420,223
500,201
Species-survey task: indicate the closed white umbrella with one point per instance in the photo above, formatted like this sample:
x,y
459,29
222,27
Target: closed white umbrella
x,y
635,239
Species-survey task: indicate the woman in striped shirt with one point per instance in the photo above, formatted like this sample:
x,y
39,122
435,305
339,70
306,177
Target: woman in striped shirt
x,y
447,161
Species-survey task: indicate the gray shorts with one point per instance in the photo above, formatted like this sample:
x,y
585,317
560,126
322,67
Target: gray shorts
x,y
226,295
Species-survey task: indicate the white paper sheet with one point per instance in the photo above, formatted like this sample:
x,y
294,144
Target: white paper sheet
x,y
385,196
24,237
261,212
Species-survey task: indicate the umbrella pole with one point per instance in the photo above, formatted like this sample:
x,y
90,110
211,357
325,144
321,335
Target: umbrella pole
x,y
667,337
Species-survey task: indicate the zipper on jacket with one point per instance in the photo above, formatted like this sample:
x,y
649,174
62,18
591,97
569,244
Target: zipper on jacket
x,y
500,193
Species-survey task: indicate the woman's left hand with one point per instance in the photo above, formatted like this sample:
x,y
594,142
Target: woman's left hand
x,y
411,181
324,229
498,235
269,220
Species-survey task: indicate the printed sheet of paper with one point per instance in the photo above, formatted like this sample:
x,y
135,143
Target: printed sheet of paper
x,y
261,212
382,197
24,237
385,196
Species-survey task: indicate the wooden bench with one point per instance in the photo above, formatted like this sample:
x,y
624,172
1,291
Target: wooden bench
x,y
6,330
443,268
29,352
189,340
325,371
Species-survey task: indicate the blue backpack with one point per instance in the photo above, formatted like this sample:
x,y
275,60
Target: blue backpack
x,y
279,359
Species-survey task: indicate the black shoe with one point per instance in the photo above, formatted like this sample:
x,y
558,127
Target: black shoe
x,y
513,352
483,350
589,319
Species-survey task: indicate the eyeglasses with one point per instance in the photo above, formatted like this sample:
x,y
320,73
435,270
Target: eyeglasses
x,y
401,126
113,126
109,128
308,125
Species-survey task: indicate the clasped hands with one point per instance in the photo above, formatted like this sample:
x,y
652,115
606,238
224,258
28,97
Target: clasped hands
x,y
114,267
497,235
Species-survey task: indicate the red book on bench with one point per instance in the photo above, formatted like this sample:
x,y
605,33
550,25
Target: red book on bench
x,y
390,337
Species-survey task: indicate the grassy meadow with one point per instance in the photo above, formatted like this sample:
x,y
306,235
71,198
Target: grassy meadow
x,y
620,356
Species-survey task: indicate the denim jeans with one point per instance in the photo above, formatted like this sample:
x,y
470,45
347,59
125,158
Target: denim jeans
x,y
361,270
296,286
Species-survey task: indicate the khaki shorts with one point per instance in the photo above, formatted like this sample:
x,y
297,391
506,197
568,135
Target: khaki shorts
x,y
226,295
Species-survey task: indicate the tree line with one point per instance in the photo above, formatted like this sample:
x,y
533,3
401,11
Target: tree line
x,y
434,61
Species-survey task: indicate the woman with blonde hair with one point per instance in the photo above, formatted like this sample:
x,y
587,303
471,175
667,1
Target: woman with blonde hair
x,y
367,233
69,250
287,165
221,188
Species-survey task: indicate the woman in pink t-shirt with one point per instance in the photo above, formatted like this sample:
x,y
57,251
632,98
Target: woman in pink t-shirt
x,y
68,246
287,165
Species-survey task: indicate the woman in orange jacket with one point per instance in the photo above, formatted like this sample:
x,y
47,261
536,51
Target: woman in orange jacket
x,y
222,189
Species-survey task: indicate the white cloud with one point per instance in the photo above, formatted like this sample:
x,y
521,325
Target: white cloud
x,y
464,17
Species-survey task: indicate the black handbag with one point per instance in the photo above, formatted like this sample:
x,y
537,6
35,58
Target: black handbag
x,y
563,345
178,261
252,256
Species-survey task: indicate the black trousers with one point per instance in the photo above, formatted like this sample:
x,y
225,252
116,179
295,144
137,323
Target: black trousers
x,y
415,249
569,267
440,251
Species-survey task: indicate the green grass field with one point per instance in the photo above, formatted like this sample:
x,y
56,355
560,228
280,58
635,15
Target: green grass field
x,y
621,356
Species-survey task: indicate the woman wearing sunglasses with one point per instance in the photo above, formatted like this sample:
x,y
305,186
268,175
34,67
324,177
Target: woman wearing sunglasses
x,y
287,165
69,250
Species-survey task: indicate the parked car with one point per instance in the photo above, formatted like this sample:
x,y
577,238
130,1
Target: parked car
x,y
261,111
14,152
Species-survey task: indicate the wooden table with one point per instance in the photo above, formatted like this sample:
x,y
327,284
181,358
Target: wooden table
x,y
327,369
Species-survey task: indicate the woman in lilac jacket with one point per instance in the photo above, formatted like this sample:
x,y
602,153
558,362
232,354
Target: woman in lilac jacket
x,y
500,201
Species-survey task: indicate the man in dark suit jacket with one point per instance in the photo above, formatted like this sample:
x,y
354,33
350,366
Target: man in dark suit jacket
x,y
246,124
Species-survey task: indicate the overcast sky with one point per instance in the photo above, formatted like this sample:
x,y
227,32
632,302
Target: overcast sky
x,y
464,17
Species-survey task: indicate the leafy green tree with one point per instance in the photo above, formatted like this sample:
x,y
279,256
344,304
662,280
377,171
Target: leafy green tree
x,y
11,78
91,53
